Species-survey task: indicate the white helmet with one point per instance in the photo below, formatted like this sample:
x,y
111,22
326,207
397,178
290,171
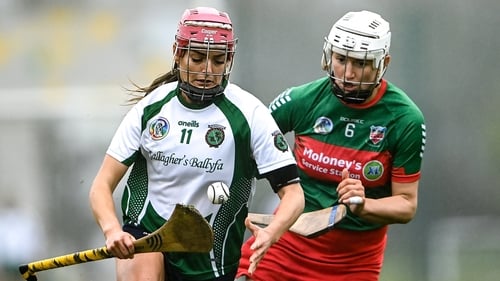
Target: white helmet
x,y
362,35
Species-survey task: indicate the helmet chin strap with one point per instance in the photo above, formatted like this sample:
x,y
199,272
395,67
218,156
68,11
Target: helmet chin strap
x,y
354,97
201,96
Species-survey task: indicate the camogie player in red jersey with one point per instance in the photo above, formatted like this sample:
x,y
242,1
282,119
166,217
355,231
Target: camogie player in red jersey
x,y
356,134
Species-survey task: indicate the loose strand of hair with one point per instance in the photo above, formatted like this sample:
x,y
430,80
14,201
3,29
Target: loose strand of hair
x,y
140,92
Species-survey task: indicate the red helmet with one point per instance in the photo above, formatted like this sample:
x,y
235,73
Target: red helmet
x,y
206,29
205,25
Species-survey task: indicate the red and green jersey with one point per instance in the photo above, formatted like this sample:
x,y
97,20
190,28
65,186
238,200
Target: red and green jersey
x,y
379,143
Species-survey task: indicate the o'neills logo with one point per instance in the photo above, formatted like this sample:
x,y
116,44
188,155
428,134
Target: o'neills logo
x,y
193,123
331,161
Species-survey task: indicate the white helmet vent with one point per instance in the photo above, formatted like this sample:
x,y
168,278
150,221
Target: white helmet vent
x,y
364,46
374,24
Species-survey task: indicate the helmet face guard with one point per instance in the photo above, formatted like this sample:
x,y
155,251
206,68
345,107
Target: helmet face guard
x,y
363,36
205,31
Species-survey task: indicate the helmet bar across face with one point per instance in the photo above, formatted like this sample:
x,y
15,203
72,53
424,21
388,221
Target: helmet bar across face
x,y
360,35
205,30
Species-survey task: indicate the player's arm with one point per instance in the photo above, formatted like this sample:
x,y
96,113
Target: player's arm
x,y
401,206
285,182
103,207
398,208
290,207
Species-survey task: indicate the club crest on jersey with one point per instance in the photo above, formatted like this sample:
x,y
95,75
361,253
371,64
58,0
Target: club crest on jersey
x,y
377,134
215,135
280,141
159,128
323,126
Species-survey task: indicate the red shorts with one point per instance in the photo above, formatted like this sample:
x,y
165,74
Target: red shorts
x,y
338,255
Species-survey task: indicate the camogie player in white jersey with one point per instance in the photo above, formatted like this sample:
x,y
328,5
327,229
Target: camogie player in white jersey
x,y
192,127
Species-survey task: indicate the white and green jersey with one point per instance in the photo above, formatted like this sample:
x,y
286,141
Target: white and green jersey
x,y
177,151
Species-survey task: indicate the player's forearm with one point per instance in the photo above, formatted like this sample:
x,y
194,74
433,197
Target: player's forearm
x,y
389,210
101,194
103,209
289,209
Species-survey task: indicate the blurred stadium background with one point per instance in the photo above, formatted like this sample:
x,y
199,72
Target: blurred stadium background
x,y
64,66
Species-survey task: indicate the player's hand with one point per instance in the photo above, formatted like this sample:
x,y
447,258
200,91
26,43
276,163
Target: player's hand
x,y
120,244
263,240
351,192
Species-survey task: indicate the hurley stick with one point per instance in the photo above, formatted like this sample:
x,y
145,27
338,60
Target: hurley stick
x,y
309,224
185,231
